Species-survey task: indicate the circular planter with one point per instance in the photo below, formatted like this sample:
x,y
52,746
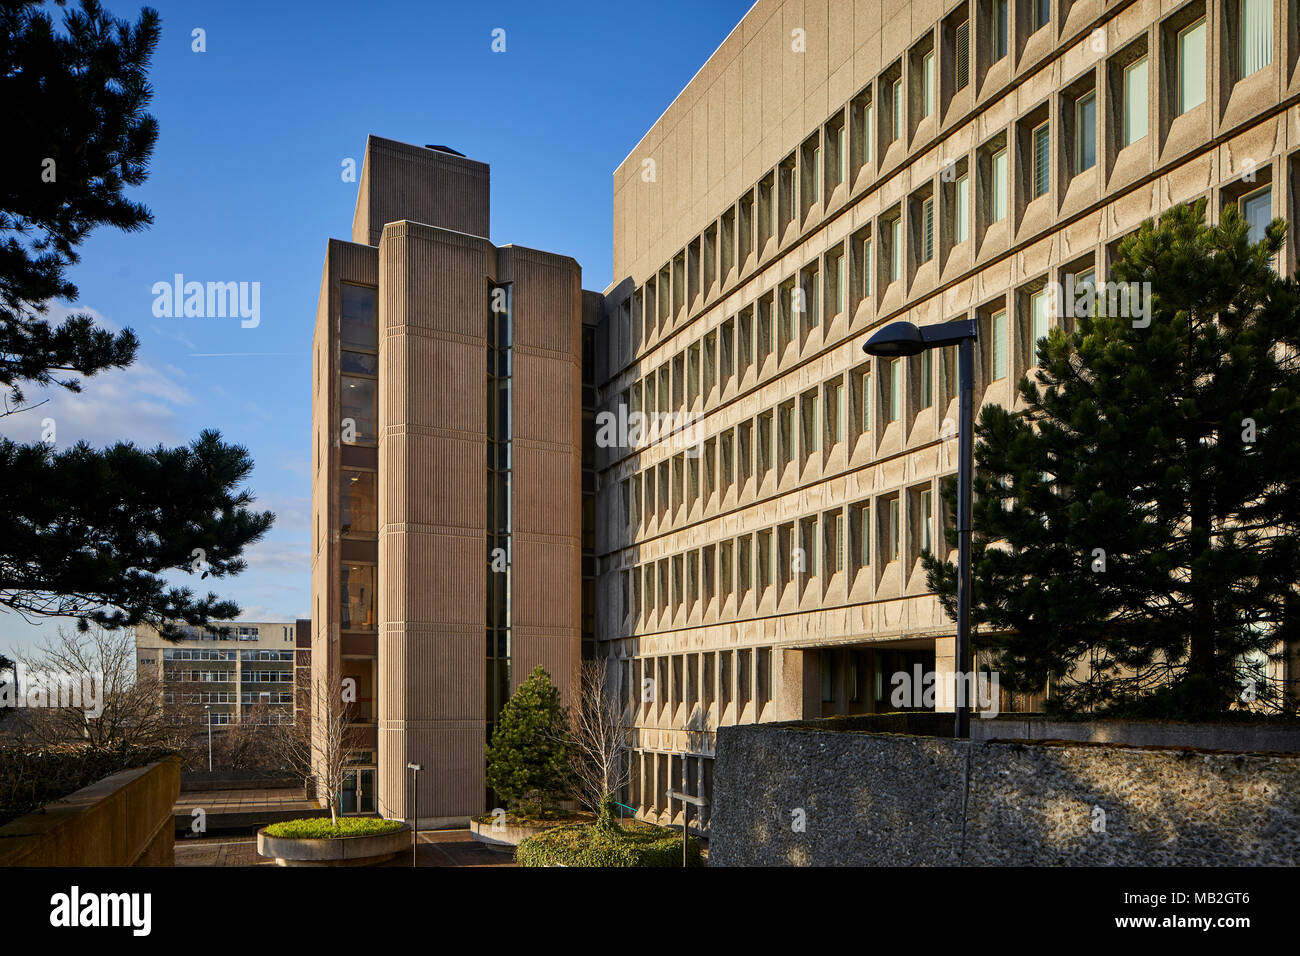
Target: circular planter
x,y
512,834
334,851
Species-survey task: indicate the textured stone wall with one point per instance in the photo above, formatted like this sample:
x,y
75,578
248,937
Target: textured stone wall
x,y
800,797
123,820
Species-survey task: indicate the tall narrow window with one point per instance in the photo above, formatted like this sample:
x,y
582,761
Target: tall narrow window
x,y
1042,177
1257,210
1256,35
999,29
866,266
892,530
896,249
999,323
927,230
927,84
927,378
896,390
926,522
1085,132
961,55
1135,101
1041,12
896,120
998,172
1191,66
1037,321
961,210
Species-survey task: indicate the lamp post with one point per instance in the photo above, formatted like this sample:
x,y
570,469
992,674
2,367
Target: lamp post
x,y
415,769
207,709
902,340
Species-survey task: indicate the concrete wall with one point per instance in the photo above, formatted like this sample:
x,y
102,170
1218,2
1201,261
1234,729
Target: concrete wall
x,y
123,820
786,796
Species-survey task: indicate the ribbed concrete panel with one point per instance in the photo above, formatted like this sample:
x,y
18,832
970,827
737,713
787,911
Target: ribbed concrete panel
x,y
404,182
432,457
546,302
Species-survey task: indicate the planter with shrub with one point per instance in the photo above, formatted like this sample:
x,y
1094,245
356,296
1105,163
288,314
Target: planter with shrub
x,y
351,841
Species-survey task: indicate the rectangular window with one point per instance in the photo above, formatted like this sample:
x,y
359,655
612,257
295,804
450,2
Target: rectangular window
x,y
896,390
1191,66
892,530
1085,132
999,29
866,267
896,249
998,171
1257,210
927,378
1135,101
999,323
834,412
1042,173
896,119
833,560
927,522
1037,322
961,210
961,51
808,422
927,84
1256,35
927,230
1041,13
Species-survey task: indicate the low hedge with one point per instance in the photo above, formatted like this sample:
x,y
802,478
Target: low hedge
x,y
322,829
589,845
31,777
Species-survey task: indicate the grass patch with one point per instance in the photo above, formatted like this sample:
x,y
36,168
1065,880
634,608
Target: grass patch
x,y
633,844
322,829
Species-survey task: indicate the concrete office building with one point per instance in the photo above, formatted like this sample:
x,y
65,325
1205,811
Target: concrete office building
x,y
447,548
835,166
230,669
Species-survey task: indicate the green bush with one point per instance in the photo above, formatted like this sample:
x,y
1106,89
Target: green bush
x,y
322,829
588,845
526,757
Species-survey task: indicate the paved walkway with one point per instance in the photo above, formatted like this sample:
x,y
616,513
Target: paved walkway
x,y
243,801
436,848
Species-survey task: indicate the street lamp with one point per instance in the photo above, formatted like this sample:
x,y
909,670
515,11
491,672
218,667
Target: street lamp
x,y
207,708
415,769
903,340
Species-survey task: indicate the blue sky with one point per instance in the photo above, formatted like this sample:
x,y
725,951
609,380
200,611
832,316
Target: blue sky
x,y
245,186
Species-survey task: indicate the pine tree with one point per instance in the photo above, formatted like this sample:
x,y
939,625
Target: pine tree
x,y
1135,523
527,757
84,532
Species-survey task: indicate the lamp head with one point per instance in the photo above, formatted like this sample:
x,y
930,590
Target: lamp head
x,y
896,340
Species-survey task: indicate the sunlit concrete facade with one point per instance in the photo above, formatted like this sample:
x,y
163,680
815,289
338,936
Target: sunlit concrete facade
x,y
447,415
231,669
917,160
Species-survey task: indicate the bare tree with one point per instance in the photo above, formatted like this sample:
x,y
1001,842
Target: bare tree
x,y
94,695
320,749
598,745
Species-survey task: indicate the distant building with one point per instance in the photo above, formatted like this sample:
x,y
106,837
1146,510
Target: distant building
x,y
230,668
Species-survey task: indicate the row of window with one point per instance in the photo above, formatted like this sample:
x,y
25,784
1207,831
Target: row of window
x,y
805,553
266,677
196,654
843,146
657,687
